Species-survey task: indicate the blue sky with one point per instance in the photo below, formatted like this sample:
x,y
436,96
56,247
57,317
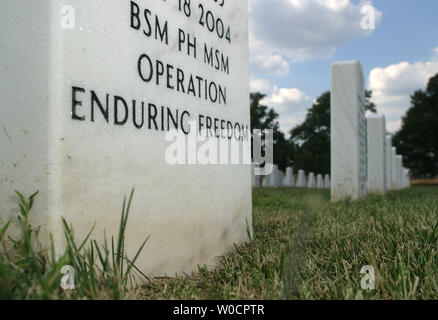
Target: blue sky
x,y
294,42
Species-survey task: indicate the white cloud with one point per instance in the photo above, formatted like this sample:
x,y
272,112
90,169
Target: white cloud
x,y
270,65
393,85
260,85
285,98
290,103
304,29
287,31
435,52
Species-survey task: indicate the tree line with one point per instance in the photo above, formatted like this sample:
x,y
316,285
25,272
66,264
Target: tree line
x,y
308,145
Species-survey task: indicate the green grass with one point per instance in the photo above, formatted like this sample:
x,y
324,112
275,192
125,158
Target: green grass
x,y
28,271
305,247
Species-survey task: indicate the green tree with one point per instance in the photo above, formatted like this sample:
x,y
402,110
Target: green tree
x,y
263,118
417,139
311,139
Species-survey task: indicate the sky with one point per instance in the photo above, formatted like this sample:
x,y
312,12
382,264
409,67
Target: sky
x,y
294,42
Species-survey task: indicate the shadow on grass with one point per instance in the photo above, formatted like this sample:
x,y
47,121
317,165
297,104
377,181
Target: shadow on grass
x,y
298,246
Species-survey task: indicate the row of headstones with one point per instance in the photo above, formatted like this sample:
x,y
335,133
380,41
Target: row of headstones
x,y
279,179
363,159
385,169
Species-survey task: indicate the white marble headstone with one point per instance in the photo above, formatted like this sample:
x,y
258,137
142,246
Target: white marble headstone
x,y
301,180
255,178
394,168
289,178
319,181
327,181
348,132
311,182
399,171
376,128
268,178
407,178
265,182
89,90
273,178
388,162
280,178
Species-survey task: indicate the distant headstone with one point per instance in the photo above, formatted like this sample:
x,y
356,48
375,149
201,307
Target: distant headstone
x,y
348,132
327,181
319,181
376,129
388,162
274,177
301,180
265,182
399,171
408,178
280,178
88,93
405,177
289,178
255,178
268,180
394,168
311,182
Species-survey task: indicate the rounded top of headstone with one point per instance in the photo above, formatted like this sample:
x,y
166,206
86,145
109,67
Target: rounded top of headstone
x,y
346,62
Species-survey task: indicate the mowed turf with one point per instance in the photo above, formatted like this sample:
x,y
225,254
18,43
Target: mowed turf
x,y
305,247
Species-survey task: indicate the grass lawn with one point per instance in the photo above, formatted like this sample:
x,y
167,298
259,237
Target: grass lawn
x,y
305,247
